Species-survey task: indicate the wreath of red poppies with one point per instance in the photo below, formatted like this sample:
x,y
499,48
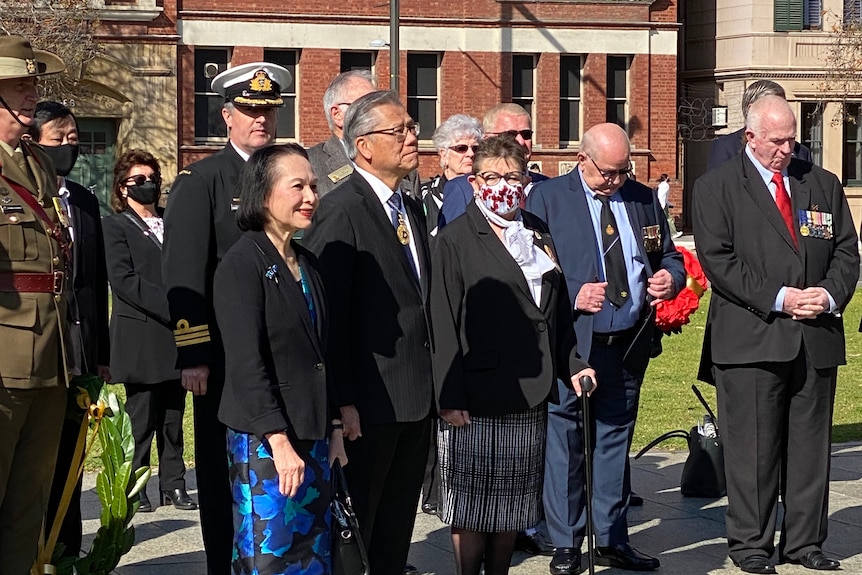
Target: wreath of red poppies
x,y
673,314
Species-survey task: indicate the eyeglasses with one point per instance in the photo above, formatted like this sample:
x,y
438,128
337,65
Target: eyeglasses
x,y
525,134
400,132
493,178
462,148
140,179
611,175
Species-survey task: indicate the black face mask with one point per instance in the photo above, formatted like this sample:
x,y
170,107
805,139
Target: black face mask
x,y
64,157
146,193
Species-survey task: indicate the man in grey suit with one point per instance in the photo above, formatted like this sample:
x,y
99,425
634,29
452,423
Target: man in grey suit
x,y
329,159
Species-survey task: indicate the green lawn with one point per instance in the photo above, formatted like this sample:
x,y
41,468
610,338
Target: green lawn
x,y
666,399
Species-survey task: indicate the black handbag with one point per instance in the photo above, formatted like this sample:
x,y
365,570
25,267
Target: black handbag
x,y
348,552
703,472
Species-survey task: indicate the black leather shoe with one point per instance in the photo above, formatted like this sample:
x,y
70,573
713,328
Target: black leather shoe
x,y
624,556
429,508
566,561
410,569
635,500
179,498
756,564
146,506
816,560
534,544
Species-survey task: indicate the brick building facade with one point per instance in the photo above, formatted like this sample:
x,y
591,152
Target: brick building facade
x,y
573,63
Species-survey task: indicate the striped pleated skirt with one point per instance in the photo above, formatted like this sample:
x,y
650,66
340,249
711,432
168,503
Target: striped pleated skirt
x,y
492,471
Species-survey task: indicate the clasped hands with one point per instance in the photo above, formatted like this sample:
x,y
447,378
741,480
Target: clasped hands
x,y
805,303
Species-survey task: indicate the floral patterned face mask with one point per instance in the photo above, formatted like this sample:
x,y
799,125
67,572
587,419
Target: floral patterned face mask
x,y
502,198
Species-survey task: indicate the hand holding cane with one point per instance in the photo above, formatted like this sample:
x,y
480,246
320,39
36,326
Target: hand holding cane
x,y
586,387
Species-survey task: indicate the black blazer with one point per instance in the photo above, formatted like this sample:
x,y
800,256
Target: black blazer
x,y
730,145
495,350
90,277
379,348
143,344
200,227
275,375
748,255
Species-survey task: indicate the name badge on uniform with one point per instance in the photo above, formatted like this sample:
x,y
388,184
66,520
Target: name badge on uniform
x,y
12,209
234,204
813,224
652,238
340,173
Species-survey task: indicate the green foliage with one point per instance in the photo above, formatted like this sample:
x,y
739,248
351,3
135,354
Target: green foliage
x,y
117,487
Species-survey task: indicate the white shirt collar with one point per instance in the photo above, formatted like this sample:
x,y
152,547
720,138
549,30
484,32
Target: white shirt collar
x,y
380,189
63,190
242,154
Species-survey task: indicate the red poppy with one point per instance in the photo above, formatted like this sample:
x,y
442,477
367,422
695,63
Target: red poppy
x,y
672,315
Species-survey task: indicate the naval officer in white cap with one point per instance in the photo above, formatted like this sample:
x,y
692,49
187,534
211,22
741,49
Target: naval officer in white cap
x,y
200,227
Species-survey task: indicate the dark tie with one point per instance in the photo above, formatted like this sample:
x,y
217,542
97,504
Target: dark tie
x,y
615,262
399,223
782,200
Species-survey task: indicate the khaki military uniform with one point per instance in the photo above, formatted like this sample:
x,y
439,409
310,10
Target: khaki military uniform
x,y
33,375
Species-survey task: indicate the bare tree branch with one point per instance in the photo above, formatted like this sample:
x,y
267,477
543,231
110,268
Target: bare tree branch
x,y
64,27
843,60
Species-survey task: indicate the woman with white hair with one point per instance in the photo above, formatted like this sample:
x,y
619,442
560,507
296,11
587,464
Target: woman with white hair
x,y
456,140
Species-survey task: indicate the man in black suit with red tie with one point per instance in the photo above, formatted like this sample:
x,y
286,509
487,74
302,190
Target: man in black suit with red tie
x,y
776,240
372,244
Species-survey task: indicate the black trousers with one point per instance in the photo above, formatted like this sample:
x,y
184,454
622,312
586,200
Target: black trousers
x,y
384,476
431,481
157,409
776,417
212,472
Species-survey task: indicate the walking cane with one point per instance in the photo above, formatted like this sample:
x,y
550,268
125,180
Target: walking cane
x,y
586,387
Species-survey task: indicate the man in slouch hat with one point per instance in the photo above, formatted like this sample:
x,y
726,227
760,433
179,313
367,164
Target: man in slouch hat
x,y
34,254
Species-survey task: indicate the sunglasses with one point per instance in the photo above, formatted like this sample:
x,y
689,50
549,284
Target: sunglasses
x,y
462,148
525,134
140,180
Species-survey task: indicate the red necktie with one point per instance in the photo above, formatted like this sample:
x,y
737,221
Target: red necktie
x,y
782,200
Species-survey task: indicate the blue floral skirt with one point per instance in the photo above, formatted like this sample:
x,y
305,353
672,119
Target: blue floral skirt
x,y
275,534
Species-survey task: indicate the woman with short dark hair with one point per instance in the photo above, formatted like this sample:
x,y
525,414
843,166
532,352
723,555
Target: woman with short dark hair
x,y
503,334
143,349
278,404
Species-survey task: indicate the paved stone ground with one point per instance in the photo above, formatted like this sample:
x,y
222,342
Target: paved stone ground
x,y
686,534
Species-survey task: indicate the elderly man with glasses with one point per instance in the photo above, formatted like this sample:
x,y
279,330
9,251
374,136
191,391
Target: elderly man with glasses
x,y
329,159
509,120
372,243
619,261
